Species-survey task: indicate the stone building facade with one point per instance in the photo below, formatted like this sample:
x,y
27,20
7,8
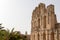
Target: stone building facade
x,y
44,25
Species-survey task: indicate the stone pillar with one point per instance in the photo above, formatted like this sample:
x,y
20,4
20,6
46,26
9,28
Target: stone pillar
x,y
56,35
59,32
44,36
32,36
36,36
39,35
51,35
47,35
59,36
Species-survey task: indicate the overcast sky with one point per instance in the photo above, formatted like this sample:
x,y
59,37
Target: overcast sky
x,y
17,13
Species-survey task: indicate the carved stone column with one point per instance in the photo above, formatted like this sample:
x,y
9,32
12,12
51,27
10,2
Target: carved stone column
x,y
39,35
47,35
51,35
44,36
57,34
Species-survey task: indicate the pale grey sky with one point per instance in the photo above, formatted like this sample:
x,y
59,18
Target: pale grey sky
x,y
17,13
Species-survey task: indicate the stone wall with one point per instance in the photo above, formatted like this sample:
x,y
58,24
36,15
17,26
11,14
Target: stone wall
x,y
44,23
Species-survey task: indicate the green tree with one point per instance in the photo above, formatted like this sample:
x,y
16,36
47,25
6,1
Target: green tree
x,y
14,35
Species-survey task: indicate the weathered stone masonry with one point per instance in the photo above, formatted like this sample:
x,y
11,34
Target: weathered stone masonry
x,y
44,24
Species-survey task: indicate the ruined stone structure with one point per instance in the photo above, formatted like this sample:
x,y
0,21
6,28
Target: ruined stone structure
x,y
44,24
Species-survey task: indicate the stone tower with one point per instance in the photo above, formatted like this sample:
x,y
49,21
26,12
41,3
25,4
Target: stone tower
x,y
44,24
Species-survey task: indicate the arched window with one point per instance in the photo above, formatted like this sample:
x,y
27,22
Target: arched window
x,y
39,23
41,20
44,21
48,18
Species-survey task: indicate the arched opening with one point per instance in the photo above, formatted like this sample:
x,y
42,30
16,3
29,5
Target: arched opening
x,y
39,23
44,21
